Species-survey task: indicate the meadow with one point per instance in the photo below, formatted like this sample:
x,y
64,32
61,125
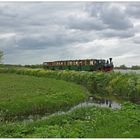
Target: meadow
x,y
21,96
25,92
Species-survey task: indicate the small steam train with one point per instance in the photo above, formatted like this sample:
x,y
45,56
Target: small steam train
x,y
80,65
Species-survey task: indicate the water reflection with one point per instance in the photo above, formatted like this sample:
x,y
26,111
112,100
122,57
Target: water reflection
x,y
127,71
91,101
102,103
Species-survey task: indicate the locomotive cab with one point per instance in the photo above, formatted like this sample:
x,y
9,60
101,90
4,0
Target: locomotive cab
x,y
108,65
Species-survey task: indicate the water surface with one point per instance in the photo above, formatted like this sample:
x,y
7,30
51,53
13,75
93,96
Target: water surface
x,y
127,71
89,102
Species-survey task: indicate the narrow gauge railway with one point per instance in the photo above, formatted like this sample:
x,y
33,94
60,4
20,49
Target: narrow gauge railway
x,y
80,65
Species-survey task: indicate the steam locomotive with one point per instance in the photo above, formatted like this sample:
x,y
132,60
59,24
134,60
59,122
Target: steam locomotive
x,y
80,65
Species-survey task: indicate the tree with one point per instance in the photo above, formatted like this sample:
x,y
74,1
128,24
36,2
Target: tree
x,y
123,67
1,56
135,67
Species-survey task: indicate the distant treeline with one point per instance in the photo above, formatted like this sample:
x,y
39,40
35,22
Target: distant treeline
x,y
10,65
125,67
19,66
41,66
34,66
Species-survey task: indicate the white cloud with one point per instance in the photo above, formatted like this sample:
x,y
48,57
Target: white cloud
x,y
33,32
7,35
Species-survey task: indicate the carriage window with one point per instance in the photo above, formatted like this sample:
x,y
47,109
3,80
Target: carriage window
x,y
85,62
80,62
91,62
70,62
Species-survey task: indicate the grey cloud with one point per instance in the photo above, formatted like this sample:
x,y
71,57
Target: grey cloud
x,y
133,9
53,30
118,33
87,23
112,15
94,8
38,41
136,39
42,42
116,18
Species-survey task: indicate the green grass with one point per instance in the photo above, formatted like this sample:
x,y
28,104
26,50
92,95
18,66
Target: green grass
x,y
30,92
97,83
28,95
91,122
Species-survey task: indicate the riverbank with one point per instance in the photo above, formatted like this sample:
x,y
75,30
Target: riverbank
x,y
89,122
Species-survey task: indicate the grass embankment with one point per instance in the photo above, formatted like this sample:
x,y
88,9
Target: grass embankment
x,y
124,86
28,95
83,123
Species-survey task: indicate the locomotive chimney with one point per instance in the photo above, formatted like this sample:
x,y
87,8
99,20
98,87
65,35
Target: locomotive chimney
x,y
110,60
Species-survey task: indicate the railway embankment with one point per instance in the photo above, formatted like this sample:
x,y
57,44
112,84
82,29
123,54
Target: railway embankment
x,y
124,86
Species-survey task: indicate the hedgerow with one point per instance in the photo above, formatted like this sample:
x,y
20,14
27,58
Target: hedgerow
x,y
125,86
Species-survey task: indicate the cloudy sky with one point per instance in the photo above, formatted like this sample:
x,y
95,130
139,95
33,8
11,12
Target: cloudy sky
x,y
34,32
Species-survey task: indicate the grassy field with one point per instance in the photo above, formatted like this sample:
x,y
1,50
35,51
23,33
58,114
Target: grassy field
x,y
89,122
25,92
97,83
28,95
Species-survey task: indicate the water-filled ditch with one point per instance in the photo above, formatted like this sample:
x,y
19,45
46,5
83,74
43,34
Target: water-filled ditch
x,y
89,102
